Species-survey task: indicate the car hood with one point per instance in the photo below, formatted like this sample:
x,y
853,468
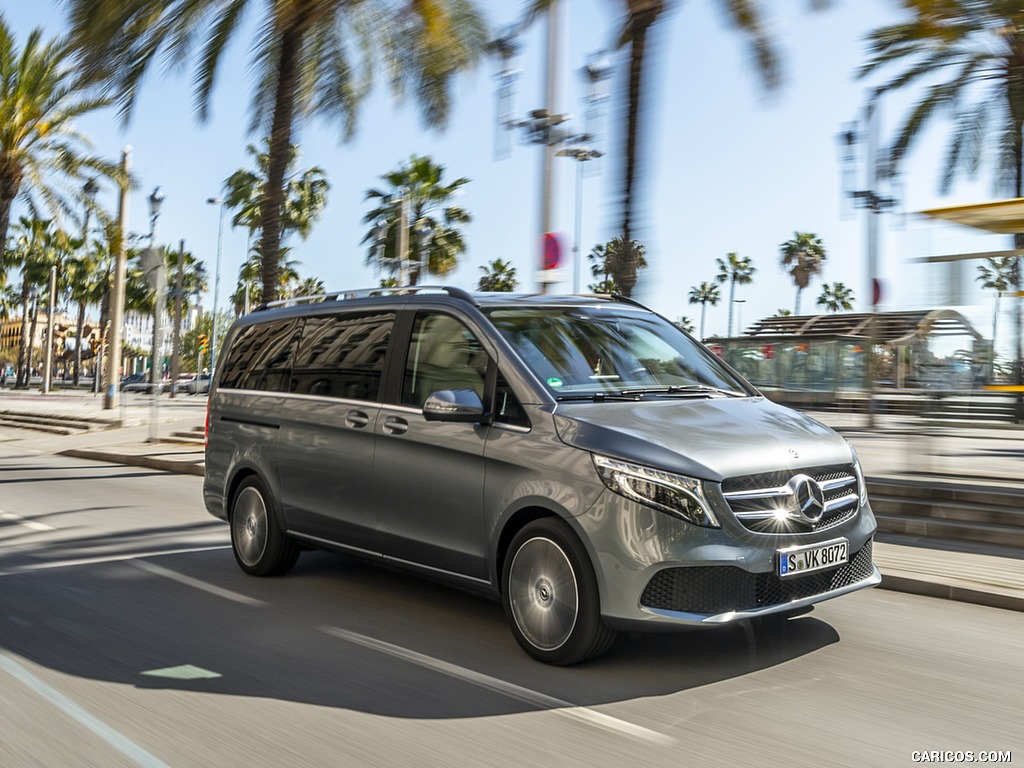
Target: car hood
x,y
709,438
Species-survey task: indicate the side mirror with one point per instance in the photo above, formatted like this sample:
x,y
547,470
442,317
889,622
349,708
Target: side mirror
x,y
454,405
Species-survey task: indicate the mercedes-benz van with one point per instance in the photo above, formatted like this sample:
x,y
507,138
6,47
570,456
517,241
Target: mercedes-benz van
x,y
579,457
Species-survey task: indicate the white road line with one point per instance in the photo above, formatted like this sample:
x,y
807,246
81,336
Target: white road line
x,y
25,522
213,589
107,559
114,738
540,700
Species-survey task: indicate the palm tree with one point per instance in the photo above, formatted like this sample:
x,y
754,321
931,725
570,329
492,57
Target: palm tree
x,y
970,56
432,223
998,274
803,256
30,253
704,294
303,55
310,286
606,263
251,270
499,275
41,99
836,297
304,199
641,15
735,271
684,324
783,313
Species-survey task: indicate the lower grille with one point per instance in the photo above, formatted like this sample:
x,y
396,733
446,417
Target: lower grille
x,y
723,588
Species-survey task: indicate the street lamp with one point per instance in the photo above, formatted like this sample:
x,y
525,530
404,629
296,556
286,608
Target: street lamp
x,y
739,315
876,204
89,191
216,283
581,155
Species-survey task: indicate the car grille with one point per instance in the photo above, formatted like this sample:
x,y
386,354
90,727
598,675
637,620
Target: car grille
x,y
763,503
723,588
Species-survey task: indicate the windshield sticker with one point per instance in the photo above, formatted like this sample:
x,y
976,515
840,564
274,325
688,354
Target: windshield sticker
x,y
555,382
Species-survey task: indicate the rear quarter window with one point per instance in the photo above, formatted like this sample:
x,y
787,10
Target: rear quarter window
x,y
260,357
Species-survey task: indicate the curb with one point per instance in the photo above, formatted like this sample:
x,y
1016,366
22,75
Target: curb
x,y
916,586
165,465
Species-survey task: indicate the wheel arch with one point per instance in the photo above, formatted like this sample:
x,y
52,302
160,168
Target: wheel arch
x,y
519,520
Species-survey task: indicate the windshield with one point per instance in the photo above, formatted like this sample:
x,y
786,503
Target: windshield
x,y
594,351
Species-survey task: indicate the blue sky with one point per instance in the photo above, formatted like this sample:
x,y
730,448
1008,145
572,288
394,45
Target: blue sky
x,y
729,168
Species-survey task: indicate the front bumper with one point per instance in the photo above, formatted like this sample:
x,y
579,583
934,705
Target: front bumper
x,y
654,569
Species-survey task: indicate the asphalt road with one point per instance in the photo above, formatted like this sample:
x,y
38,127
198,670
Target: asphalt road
x,y
128,637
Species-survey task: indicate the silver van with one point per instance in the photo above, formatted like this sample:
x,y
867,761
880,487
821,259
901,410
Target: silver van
x,y
579,457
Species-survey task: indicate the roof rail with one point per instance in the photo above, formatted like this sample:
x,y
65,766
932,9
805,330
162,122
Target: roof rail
x,y
362,293
629,300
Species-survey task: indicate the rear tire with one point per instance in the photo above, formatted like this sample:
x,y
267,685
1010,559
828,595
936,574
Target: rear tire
x,y
260,546
550,595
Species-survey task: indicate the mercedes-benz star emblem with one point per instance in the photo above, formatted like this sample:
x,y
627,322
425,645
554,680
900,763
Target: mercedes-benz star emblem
x,y
809,498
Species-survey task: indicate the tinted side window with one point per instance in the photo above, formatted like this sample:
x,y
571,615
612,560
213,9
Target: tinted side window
x,y
443,354
260,357
342,355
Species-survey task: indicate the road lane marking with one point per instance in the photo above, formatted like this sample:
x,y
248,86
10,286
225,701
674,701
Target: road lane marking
x,y
107,559
518,692
114,738
213,589
32,524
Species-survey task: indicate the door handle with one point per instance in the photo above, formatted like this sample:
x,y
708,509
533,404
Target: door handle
x,y
356,419
395,425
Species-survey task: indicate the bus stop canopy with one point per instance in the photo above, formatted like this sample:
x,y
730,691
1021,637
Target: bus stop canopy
x,y
1005,217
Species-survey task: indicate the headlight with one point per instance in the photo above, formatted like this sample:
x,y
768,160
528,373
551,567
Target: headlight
x,y
677,495
862,487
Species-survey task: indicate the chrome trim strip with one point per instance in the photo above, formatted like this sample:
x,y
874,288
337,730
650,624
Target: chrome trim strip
x,y
759,493
828,485
380,556
335,545
452,574
784,490
850,498
724,618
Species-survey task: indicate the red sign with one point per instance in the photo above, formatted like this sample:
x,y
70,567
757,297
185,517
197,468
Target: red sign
x,y
552,250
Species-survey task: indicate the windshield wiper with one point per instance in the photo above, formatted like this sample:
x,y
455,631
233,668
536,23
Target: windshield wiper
x,y
692,390
600,397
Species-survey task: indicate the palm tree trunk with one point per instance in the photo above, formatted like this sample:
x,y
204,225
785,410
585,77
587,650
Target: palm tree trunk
x,y
31,339
272,203
796,307
703,313
625,275
23,351
732,294
79,327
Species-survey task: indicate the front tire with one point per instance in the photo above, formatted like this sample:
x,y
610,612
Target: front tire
x,y
550,595
260,546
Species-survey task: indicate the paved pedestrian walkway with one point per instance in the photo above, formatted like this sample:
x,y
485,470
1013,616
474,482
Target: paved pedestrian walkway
x,y
166,436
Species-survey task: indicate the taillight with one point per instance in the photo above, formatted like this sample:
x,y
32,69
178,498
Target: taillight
x,y
206,426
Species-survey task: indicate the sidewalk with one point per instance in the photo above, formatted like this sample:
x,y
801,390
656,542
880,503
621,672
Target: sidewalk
x,y
168,437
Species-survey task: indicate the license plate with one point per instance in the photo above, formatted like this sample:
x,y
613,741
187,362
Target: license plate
x,y
796,561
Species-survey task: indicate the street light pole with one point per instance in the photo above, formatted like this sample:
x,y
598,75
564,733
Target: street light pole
x,y
216,284
117,299
89,190
179,291
580,155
